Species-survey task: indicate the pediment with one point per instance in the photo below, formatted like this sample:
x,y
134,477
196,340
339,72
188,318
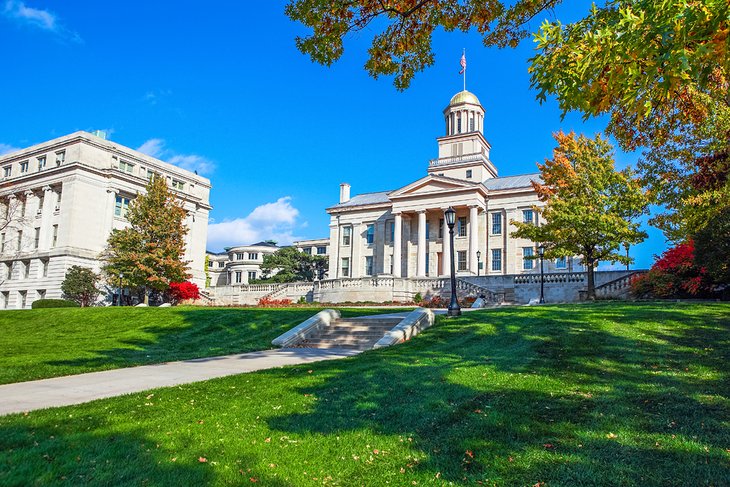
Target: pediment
x,y
432,184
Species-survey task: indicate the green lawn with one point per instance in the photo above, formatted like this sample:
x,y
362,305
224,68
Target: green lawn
x,y
576,395
42,343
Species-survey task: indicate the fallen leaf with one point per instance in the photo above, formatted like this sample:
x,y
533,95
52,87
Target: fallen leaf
x,y
267,440
202,459
469,453
611,435
548,445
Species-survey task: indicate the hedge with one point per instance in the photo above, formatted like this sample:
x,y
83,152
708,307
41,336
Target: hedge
x,y
53,303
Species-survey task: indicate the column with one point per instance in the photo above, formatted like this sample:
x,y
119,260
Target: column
x,y
46,218
473,238
421,262
446,249
397,247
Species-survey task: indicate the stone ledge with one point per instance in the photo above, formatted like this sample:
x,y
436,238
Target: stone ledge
x,y
303,330
416,321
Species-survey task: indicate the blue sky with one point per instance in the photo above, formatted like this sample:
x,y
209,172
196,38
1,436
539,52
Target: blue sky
x,y
224,91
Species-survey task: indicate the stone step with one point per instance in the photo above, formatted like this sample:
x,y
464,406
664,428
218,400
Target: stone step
x,y
315,343
355,333
371,321
348,328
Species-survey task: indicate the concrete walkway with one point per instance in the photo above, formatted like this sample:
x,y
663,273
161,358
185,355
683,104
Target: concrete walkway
x,y
77,389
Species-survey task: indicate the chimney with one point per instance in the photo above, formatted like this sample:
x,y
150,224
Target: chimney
x,y
344,193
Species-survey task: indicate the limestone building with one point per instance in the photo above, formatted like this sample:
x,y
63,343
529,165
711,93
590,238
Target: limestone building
x,y
60,200
401,232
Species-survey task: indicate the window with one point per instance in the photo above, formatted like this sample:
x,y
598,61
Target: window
x,y
210,263
221,264
441,228
561,263
496,259
44,267
461,260
471,124
22,203
461,226
26,269
370,234
253,255
458,124
60,157
22,296
308,250
177,184
41,200
239,256
121,206
345,267
527,216
150,174
392,231
126,166
391,264
41,163
346,234
58,198
54,240
20,240
251,276
7,171
37,238
496,224
6,299
428,260
321,250
239,277
527,253
9,271
428,231
41,294
2,243
468,174
23,167
369,265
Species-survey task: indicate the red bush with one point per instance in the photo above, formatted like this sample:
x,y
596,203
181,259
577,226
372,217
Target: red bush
x,y
273,303
180,291
674,275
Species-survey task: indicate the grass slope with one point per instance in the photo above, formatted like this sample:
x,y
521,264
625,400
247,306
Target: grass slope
x,y
605,394
43,343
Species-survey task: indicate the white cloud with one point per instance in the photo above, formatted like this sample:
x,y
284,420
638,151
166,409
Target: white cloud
x,y
42,19
275,221
7,149
191,162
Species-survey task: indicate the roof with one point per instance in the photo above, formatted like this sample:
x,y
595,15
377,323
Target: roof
x,y
264,244
464,97
509,182
366,199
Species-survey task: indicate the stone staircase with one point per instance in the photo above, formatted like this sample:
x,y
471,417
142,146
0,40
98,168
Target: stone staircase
x,y
353,333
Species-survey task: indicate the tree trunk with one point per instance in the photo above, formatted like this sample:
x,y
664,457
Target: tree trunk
x,y
146,296
591,280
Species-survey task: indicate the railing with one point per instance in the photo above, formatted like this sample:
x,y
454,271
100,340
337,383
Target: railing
x,y
475,290
443,161
555,277
618,286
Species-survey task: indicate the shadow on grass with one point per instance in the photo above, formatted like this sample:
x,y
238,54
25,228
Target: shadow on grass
x,y
544,396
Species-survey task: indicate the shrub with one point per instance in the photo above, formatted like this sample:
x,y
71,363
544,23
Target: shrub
x,y
674,275
417,298
180,291
53,303
273,303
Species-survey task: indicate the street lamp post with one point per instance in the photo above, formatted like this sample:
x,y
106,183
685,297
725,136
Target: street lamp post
x,y
479,261
450,217
541,253
121,288
626,245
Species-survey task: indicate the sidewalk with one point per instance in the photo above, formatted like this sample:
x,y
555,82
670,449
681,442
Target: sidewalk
x,y
77,389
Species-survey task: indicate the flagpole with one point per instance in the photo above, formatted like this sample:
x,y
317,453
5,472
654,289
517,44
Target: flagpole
x,y
464,54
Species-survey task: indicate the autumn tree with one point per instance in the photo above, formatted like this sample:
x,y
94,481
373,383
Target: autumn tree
x,y
80,285
149,252
289,264
590,209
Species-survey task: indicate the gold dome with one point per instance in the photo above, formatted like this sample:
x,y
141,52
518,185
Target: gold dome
x,y
464,97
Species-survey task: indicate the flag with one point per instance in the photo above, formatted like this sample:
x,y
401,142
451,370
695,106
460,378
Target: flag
x,y
463,63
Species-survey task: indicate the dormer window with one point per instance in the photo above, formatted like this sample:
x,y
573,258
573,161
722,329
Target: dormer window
x,y
468,174
60,157
125,166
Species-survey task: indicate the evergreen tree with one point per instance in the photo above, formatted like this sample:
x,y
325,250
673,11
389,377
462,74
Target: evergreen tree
x,y
590,207
150,250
